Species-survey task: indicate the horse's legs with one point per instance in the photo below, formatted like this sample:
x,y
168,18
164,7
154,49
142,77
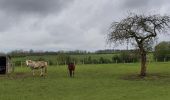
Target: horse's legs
x,y
33,72
70,72
73,73
41,72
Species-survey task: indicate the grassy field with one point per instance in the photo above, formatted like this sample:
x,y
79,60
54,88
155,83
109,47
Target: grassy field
x,y
91,82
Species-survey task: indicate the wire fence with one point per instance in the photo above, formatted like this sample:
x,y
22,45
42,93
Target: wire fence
x,y
23,64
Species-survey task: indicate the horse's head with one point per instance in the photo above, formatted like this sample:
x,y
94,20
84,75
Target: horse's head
x,y
28,62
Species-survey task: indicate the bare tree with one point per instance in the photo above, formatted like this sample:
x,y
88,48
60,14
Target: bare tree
x,y
140,30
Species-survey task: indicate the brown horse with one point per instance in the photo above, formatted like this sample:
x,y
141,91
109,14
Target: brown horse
x,y
71,68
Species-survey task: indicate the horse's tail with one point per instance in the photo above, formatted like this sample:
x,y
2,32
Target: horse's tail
x,y
46,64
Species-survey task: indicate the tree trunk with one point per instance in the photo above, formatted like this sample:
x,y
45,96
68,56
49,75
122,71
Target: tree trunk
x,y
143,64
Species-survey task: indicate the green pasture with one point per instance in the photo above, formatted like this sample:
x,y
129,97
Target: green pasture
x,y
91,82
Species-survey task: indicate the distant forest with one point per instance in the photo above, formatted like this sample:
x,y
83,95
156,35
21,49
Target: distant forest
x,y
21,53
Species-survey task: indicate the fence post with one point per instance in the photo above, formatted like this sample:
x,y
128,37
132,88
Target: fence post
x,y
83,61
13,66
164,59
57,63
65,63
74,62
21,64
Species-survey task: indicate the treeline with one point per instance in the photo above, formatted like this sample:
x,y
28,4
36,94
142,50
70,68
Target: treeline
x,y
124,57
63,59
162,51
23,53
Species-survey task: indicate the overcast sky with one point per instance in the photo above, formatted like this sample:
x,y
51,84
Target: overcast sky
x,y
66,24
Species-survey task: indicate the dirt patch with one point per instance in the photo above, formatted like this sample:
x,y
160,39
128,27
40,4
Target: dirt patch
x,y
21,75
152,76
18,75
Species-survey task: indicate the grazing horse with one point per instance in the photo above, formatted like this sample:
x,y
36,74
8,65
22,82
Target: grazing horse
x,y
71,68
37,65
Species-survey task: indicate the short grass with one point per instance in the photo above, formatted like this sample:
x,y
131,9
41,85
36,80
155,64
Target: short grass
x,y
91,82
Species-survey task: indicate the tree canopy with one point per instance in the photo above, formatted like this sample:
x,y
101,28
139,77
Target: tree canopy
x,y
140,28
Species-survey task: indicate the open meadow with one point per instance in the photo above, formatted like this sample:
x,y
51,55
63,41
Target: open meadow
x,y
91,82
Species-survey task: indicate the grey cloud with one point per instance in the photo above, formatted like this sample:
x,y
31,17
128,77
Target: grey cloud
x,y
147,4
68,25
135,3
15,12
32,6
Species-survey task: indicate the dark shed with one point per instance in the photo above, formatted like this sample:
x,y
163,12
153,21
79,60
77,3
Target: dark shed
x,y
5,64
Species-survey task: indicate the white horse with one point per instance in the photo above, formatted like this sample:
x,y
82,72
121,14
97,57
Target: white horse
x,y
37,65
